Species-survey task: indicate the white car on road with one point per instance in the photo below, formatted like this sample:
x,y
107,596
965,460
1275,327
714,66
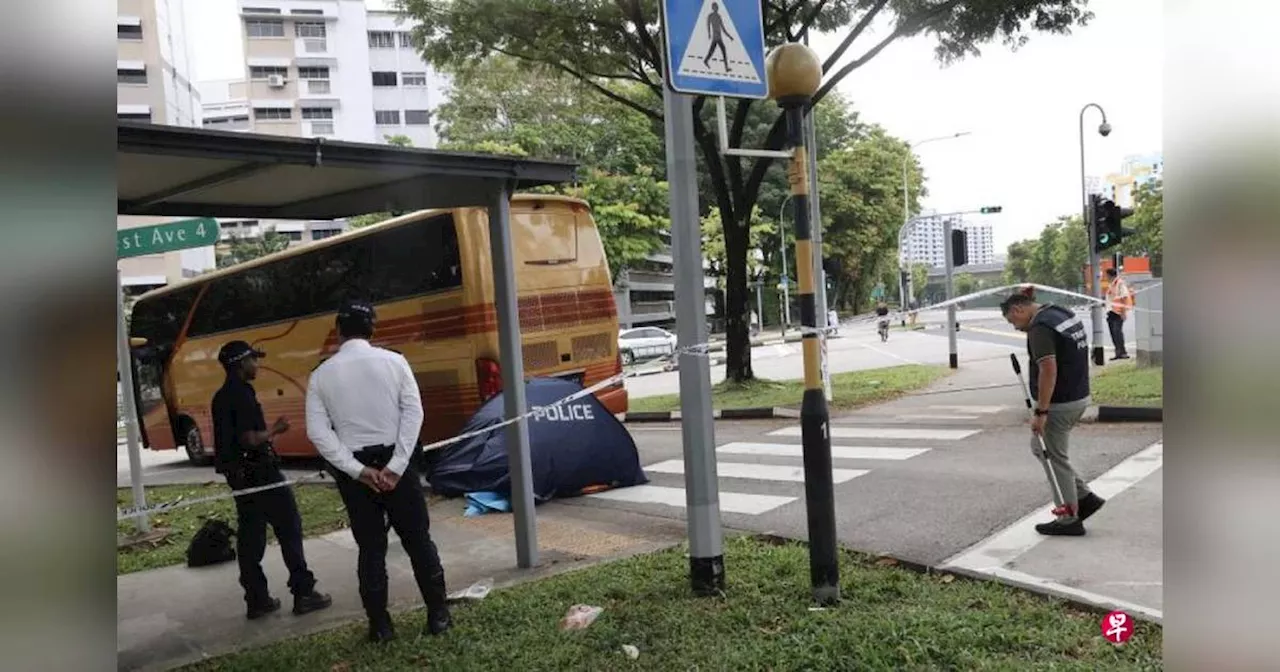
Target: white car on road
x,y
645,343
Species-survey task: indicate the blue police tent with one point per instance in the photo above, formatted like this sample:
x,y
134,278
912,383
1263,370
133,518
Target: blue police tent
x,y
576,447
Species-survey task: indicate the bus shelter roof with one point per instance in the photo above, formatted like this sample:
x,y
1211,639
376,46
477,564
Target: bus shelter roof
x,y
175,171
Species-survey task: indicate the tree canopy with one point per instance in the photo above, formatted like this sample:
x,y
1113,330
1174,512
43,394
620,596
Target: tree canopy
x,y
613,47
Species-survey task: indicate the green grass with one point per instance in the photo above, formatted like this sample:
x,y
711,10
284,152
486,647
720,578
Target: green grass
x,y
1123,383
320,505
890,619
848,390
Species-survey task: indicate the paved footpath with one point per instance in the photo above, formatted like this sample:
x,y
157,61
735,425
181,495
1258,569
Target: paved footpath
x,y
176,615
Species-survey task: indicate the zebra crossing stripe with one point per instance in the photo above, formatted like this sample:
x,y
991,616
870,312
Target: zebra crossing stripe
x,y
969,409
837,452
755,471
730,502
851,432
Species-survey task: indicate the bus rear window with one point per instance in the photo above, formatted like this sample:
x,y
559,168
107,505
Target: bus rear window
x,y
552,236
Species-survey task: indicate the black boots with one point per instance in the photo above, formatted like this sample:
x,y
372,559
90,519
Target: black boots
x,y
313,601
260,609
439,620
1089,505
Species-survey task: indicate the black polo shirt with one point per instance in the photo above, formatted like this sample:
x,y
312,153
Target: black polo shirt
x,y
235,411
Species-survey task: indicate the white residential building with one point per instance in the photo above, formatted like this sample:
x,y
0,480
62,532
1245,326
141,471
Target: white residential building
x,y
345,69
925,244
153,84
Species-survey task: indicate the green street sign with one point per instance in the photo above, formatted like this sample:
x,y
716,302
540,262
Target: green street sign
x,y
181,235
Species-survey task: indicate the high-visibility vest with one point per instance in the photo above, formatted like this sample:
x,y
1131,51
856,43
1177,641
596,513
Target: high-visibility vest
x,y
1119,299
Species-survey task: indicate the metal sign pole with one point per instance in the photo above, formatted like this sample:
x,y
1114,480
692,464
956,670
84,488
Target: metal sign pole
x,y
706,545
951,309
124,367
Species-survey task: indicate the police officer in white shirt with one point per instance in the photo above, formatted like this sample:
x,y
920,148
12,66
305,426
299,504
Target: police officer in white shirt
x,y
364,413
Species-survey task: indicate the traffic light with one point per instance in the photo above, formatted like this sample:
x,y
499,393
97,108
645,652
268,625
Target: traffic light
x,y
959,247
991,209
1107,219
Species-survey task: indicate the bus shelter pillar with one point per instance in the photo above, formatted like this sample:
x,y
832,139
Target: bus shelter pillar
x,y
513,391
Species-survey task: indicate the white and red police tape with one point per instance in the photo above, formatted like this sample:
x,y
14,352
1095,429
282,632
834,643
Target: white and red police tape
x,y
697,350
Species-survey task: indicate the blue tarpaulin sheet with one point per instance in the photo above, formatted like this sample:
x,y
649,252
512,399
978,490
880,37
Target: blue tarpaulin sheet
x,y
573,447
480,503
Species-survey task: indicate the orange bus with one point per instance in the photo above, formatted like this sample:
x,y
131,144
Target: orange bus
x,y
430,277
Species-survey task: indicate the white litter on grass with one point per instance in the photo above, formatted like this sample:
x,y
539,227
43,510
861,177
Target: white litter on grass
x,y
476,591
631,651
579,617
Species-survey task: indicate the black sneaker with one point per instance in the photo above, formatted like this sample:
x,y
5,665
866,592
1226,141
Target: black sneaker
x,y
1089,505
257,611
439,620
1057,528
313,601
381,632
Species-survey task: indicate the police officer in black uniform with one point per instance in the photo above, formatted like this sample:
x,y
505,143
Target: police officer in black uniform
x,y
1059,379
243,454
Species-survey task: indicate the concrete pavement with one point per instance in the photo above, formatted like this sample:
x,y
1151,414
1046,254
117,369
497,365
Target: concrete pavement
x,y
175,615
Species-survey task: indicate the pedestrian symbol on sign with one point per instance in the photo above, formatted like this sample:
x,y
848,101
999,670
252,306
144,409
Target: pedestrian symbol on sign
x,y
715,49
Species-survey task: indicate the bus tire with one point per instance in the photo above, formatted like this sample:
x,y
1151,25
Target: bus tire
x,y
193,442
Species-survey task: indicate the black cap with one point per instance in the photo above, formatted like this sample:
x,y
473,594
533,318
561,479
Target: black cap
x,y
235,351
356,309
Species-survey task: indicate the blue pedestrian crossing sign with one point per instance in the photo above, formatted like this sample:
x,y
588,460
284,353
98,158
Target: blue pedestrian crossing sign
x,y
715,47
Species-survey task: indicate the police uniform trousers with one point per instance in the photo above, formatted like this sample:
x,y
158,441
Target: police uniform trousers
x,y
405,509
254,512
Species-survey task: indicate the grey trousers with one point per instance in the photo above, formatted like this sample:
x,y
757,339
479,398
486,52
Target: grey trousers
x,y
1058,424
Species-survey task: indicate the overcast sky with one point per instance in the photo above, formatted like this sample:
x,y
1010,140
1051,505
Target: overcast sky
x,y
1021,108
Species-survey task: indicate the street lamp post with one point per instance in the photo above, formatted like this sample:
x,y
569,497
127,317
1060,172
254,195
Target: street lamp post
x,y
794,75
905,289
1095,311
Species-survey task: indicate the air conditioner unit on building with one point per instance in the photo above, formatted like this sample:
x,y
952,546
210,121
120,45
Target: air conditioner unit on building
x,y
275,81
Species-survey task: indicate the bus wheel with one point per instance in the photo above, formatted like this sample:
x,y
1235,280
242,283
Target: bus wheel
x,y
194,444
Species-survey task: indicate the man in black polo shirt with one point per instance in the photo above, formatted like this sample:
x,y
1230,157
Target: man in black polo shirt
x,y
244,455
1059,368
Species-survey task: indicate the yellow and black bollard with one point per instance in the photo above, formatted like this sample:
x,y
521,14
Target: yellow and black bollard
x,y
795,73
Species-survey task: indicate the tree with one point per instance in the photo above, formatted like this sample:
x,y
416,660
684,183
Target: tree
x,y
1148,221
964,283
242,249
630,212
613,45
1056,258
503,106
919,279
860,188
1017,267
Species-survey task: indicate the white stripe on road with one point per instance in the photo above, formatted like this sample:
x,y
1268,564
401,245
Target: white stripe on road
x,y
934,416
886,433
837,452
730,502
757,472
886,353
969,409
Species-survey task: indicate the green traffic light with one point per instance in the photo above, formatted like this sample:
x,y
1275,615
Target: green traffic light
x,y
991,209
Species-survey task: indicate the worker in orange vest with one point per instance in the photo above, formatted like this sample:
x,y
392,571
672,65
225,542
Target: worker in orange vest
x,y
1119,301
